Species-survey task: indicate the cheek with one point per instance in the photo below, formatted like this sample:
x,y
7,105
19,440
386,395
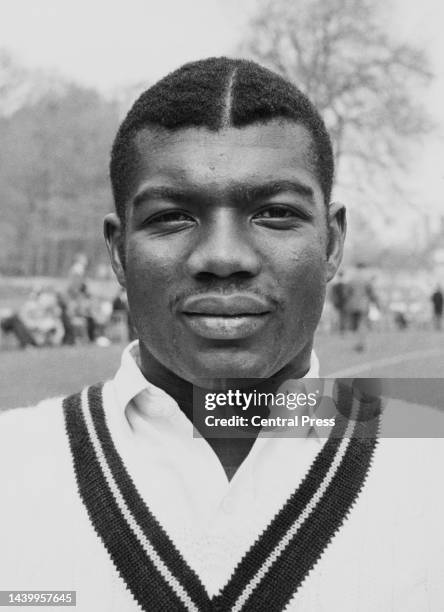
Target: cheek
x,y
305,281
149,276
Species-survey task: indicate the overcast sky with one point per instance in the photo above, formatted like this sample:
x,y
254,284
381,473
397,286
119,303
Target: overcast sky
x,y
106,43
110,43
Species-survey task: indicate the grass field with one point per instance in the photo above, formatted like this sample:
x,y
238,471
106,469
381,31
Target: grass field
x,y
31,375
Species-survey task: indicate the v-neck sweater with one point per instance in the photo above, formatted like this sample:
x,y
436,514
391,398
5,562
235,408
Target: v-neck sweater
x,y
346,524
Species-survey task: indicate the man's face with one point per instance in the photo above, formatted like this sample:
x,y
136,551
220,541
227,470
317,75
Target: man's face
x,y
226,249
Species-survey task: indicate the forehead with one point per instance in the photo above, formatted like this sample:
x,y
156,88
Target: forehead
x,y
278,149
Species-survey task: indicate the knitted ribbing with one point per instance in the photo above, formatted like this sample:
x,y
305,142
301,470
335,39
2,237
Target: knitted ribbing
x,y
272,570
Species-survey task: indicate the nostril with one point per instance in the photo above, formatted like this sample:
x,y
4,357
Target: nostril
x,y
210,277
213,265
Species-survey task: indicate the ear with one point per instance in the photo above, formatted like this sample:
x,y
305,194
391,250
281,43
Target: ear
x,y
112,228
337,227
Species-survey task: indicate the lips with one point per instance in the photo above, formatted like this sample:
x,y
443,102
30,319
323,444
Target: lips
x,y
226,305
220,317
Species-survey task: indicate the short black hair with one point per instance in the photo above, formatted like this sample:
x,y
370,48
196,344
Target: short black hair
x,y
216,93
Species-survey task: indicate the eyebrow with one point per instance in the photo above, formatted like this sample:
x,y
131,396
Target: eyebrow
x,y
240,191
161,193
253,191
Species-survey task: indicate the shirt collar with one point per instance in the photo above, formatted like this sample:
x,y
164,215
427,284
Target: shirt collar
x,y
130,382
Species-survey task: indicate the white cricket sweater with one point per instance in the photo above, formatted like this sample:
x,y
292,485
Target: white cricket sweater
x,y
361,531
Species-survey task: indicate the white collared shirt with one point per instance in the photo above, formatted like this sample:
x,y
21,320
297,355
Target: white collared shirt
x,y
218,519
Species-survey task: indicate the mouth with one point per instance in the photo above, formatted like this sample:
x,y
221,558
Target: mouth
x,y
225,327
226,317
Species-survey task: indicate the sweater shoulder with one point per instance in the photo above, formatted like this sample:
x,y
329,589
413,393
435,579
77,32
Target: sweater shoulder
x,y
33,432
31,420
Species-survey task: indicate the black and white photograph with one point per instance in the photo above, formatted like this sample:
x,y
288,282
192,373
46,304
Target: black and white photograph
x,y
221,305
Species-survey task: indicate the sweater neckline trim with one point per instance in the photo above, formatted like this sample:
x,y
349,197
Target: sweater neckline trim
x,y
274,567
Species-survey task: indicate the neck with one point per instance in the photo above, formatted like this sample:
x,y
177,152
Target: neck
x,y
181,390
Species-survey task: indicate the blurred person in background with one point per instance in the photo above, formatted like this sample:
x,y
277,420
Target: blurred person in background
x,y
120,312
74,302
84,312
37,322
400,320
361,296
77,272
340,293
100,311
69,332
47,328
14,324
437,305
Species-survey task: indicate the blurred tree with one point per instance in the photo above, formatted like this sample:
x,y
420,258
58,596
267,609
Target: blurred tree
x,y
20,86
364,82
12,79
53,179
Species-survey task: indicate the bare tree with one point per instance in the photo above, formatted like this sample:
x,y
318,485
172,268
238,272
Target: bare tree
x,y
12,79
53,179
20,86
363,81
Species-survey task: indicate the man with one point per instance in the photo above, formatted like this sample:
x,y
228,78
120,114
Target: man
x,y
361,296
37,323
224,238
340,292
14,324
437,304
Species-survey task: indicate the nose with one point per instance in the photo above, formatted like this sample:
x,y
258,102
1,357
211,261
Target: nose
x,y
224,248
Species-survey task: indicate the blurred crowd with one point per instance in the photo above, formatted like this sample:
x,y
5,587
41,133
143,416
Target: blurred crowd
x,y
360,299
74,314
357,305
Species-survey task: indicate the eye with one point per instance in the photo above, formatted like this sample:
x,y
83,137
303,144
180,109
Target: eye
x,y
168,222
276,212
173,216
282,217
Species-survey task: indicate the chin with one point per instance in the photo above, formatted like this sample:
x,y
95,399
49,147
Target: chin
x,y
241,364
